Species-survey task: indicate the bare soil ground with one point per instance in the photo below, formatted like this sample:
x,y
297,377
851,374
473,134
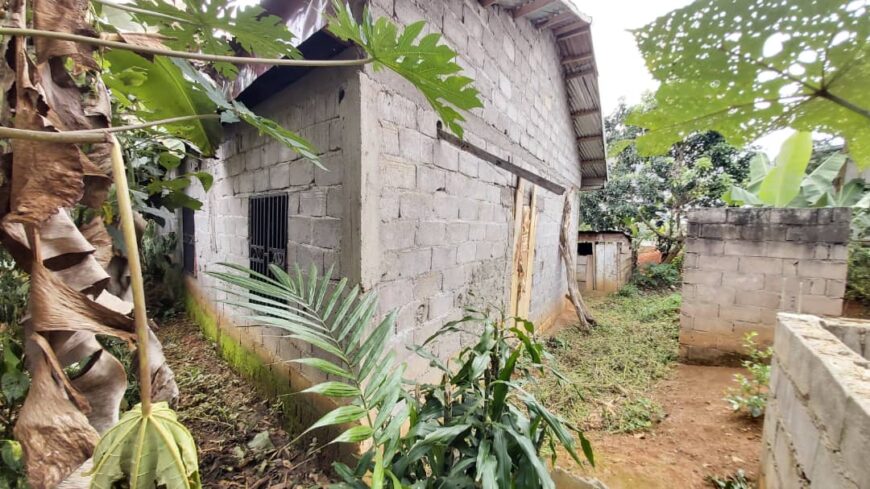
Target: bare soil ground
x,y
239,433
699,437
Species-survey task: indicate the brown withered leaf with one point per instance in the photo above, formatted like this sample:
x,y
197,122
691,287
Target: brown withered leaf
x,y
72,393
97,235
102,382
57,307
64,249
45,176
56,437
63,16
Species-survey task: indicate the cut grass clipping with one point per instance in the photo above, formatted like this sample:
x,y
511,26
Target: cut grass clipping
x,y
613,368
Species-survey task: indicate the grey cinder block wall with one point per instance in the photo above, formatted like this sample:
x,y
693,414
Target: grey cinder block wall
x,y
817,421
742,266
427,226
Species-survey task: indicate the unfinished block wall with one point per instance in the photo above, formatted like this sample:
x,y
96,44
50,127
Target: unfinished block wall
x,y
742,266
445,217
324,108
817,421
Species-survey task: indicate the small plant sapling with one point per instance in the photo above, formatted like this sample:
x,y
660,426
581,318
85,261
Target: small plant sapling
x,y
751,394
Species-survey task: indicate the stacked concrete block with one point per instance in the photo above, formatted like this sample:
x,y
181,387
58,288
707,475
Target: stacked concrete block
x,y
401,212
742,266
445,217
817,421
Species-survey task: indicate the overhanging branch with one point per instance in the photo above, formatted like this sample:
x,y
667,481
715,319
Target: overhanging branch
x,y
212,58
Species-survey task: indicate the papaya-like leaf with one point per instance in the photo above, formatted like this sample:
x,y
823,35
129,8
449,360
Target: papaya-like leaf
x,y
424,61
209,26
147,451
744,68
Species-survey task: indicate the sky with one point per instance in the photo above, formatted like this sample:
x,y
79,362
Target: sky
x,y
621,69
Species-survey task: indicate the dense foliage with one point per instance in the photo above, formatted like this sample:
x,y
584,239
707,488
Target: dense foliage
x,y
858,281
477,426
744,68
650,196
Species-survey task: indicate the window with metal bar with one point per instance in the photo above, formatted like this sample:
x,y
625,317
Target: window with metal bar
x,y
267,239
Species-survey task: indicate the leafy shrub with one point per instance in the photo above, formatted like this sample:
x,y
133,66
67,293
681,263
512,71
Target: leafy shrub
x,y
657,276
164,279
858,282
628,290
751,394
736,481
14,380
496,429
477,426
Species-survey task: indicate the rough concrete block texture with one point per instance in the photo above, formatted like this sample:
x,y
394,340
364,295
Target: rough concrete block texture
x,y
827,422
755,262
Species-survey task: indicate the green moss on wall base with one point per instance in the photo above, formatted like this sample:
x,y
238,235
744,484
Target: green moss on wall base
x,y
267,380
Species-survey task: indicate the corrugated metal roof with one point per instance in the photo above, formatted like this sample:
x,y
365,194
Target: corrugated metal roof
x,y
572,31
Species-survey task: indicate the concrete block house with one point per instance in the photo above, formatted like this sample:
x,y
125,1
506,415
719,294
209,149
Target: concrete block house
x,y
431,223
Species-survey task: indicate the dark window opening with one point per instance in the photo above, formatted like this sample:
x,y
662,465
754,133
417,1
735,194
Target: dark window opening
x,y
267,224
188,241
584,249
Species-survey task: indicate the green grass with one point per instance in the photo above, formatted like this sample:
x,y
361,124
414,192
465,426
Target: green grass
x,y
613,369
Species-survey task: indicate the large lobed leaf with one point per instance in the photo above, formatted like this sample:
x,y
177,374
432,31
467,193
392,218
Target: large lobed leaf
x,y
744,68
209,26
162,91
147,452
427,64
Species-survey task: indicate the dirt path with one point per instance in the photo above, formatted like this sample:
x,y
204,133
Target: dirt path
x,y
699,437
239,434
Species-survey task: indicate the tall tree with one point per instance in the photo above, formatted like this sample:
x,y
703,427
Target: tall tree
x,y
653,194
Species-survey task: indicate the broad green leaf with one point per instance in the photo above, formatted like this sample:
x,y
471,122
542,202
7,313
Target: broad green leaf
x,y
354,435
324,366
617,147
759,166
531,453
144,452
333,389
427,64
782,184
14,385
745,68
208,26
339,415
851,194
166,93
821,180
739,196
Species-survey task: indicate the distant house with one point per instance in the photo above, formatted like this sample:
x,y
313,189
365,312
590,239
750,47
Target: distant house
x,y
604,260
432,225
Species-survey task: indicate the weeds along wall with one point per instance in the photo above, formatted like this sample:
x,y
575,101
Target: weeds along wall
x,y
742,266
817,421
426,225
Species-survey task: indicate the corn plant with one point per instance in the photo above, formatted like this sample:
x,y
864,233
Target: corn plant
x,y
477,427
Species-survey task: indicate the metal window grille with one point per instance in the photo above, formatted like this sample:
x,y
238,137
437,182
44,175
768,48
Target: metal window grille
x,y
267,224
